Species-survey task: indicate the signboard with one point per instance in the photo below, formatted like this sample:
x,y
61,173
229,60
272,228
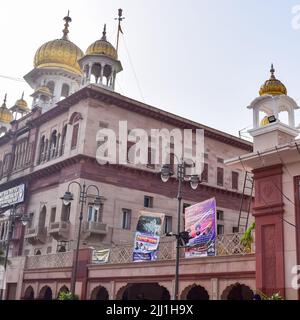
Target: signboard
x,y
12,196
200,223
100,256
147,236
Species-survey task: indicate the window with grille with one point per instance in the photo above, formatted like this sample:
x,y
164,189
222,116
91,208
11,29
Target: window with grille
x,y
74,136
220,215
220,176
220,229
168,224
148,202
204,174
126,219
235,180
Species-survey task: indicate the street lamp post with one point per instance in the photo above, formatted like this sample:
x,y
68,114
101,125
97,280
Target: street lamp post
x,y
181,237
67,198
12,221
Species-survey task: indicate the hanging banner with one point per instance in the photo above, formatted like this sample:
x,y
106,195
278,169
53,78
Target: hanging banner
x,y
100,256
147,236
200,223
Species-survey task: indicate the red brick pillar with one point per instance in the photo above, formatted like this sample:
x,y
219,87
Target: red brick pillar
x,y
268,212
84,258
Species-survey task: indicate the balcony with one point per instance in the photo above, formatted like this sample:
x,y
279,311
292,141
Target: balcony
x,y
92,228
59,230
36,235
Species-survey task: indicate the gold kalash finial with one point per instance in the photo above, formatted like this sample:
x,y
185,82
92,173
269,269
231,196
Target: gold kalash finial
x,y
272,71
66,28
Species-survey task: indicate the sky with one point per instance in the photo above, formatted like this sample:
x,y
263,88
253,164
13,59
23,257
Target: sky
x,y
201,59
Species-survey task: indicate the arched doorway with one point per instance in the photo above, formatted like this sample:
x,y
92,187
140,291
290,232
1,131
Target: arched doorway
x,y
99,293
143,291
237,291
194,292
63,289
29,293
45,293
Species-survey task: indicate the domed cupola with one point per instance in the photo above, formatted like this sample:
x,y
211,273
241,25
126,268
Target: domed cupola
x,y
56,66
6,117
272,86
100,63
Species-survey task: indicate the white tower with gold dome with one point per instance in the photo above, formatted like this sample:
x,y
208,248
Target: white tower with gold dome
x,y
6,117
269,129
56,72
100,64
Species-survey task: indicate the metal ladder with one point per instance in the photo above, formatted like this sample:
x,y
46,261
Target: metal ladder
x,y
244,215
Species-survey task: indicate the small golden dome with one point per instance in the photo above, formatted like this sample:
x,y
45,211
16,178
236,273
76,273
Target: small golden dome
x,y
272,86
102,47
264,121
5,114
59,53
44,90
21,104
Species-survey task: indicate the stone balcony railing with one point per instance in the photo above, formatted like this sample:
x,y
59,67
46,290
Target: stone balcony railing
x,y
94,228
36,235
56,260
59,230
226,245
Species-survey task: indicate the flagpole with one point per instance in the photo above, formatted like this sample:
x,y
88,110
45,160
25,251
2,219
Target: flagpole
x,y
120,18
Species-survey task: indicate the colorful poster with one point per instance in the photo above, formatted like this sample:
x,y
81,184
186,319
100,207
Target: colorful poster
x,y
200,223
100,256
147,236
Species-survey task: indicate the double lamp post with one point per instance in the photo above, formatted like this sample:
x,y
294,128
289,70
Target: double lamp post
x,y
181,236
83,195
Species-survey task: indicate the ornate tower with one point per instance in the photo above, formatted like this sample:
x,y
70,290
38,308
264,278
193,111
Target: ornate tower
x,y
56,68
20,108
6,117
269,129
100,63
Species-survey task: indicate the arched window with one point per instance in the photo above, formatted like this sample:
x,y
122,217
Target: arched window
x,y
29,293
42,218
42,149
65,91
53,142
107,71
63,140
96,73
74,120
50,85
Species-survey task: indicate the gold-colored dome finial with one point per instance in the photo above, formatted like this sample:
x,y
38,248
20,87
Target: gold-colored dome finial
x,y
273,86
5,114
67,19
102,47
59,53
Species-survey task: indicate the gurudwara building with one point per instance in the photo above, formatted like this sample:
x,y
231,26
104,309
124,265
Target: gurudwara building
x,y
52,143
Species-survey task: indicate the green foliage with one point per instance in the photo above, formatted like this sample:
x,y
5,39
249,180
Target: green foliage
x,y
67,296
274,296
247,238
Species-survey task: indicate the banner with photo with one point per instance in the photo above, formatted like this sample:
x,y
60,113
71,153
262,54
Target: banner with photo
x,y
100,256
147,236
200,223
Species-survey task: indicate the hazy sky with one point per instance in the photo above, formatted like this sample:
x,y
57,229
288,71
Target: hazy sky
x,y
201,59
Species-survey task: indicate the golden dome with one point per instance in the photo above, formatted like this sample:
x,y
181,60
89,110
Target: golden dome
x,y
21,104
272,86
102,47
43,90
59,53
5,114
264,121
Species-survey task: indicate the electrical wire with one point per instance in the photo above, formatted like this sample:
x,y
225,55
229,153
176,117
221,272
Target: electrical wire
x,y
12,78
133,70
